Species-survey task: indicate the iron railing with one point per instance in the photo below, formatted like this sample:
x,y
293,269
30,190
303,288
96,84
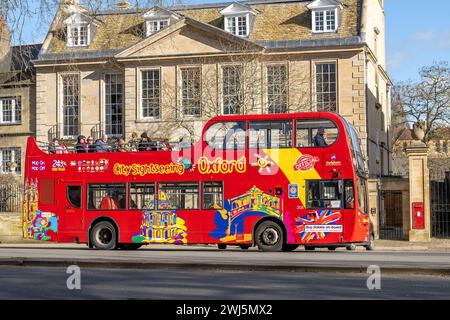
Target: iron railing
x,y
11,198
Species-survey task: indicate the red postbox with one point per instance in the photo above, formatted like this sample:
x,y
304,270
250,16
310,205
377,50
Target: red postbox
x,y
418,215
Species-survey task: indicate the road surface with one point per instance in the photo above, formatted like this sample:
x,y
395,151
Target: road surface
x,y
50,283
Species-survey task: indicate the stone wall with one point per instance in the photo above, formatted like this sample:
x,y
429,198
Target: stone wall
x,y
10,226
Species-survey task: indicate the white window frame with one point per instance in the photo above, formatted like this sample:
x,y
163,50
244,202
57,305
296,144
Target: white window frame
x,y
266,111
14,106
78,26
159,23
221,86
236,19
314,79
180,90
14,150
325,20
121,76
140,92
61,103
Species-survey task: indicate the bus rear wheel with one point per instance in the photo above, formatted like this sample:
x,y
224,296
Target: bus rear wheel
x,y
104,236
269,236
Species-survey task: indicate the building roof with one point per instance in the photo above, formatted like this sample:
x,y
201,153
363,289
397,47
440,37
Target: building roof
x,y
20,64
278,22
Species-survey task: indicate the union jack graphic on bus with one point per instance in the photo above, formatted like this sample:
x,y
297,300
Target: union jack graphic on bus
x,y
317,224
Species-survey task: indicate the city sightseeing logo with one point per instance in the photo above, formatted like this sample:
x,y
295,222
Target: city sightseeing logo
x,y
305,162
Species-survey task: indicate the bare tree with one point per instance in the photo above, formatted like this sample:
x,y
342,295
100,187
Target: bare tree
x,y
427,101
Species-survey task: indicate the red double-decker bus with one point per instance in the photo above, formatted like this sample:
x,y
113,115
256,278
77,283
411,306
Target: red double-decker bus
x,y
274,181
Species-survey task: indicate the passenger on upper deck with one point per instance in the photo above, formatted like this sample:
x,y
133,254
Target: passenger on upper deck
x,y
133,144
319,139
81,145
101,145
121,146
90,144
144,144
53,146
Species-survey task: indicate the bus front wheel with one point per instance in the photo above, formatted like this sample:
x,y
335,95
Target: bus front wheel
x,y
104,236
269,236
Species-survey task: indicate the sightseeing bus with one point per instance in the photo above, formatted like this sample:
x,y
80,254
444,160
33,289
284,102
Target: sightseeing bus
x,y
273,181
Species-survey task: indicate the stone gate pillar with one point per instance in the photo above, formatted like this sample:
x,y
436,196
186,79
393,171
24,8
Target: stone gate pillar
x,y
419,192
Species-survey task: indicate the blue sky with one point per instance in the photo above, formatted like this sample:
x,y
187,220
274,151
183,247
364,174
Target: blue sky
x,y
417,33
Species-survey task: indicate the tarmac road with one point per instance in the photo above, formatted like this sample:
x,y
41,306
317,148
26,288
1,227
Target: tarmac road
x,y
50,283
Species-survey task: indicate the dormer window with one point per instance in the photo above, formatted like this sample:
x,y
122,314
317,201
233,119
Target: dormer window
x,y
80,29
325,15
78,35
237,25
157,19
153,26
238,19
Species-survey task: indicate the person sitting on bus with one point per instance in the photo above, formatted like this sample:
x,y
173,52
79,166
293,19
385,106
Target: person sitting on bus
x,y
108,203
90,144
319,139
121,147
53,146
133,144
101,145
81,145
144,144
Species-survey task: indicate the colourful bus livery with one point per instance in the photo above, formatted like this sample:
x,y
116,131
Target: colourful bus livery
x,y
251,180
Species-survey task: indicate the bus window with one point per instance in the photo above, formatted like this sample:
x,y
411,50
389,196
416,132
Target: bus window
x,y
362,195
142,196
226,135
270,134
212,195
349,194
307,130
106,197
74,196
323,194
183,195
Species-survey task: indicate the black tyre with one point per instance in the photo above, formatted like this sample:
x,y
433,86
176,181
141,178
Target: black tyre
x,y
104,236
332,248
289,247
310,248
371,244
244,246
222,246
269,236
351,247
129,246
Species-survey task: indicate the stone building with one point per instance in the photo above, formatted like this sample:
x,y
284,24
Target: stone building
x,y
158,69
17,101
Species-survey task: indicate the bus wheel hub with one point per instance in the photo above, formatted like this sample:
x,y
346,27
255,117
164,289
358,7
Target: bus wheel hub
x,y
270,236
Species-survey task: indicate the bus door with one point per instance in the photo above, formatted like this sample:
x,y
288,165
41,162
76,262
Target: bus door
x,y
324,218
363,218
72,205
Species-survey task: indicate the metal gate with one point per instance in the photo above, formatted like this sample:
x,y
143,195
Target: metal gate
x,y
391,219
440,207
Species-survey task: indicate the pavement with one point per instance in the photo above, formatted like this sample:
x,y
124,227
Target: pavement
x,y
263,287
394,257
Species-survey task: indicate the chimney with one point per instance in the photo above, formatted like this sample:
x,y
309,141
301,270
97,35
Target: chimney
x,y
5,46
